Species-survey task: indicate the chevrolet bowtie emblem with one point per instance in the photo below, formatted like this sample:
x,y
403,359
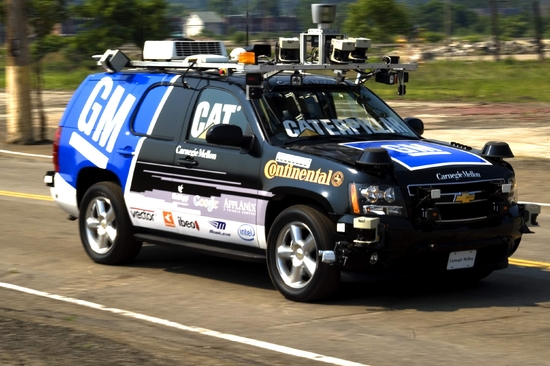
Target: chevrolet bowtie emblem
x,y
464,197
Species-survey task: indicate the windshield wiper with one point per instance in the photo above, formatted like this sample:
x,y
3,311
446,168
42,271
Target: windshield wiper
x,y
316,138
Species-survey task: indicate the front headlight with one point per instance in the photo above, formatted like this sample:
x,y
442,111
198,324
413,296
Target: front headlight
x,y
375,194
376,199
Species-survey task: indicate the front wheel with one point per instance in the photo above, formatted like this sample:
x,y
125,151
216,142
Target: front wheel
x,y
294,241
105,228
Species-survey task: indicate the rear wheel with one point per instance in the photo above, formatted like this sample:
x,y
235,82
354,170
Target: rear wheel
x,y
293,260
105,228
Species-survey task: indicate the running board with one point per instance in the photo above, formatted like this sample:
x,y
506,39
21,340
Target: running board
x,y
203,248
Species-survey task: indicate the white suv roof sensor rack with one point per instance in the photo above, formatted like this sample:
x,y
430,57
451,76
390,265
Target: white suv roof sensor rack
x,y
116,60
328,50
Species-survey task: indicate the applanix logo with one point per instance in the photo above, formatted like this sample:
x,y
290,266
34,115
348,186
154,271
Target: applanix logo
x,y
241,206
103,114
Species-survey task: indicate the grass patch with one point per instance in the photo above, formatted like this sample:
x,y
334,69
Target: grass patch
x,y
481,81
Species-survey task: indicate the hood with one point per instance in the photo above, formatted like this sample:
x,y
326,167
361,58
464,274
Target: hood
x,y
446,162
411,155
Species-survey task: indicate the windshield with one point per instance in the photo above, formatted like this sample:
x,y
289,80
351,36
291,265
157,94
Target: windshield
x,y
344,112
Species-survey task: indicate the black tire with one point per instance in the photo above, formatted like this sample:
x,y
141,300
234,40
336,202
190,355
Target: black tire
x,y
293,259
105,228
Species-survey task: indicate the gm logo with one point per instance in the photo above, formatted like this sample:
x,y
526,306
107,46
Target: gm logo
x,y
246,232
101,119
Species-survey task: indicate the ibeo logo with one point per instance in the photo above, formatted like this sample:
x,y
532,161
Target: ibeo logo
x,y
188,224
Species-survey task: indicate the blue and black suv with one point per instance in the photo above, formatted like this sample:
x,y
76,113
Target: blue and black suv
x,y
254,158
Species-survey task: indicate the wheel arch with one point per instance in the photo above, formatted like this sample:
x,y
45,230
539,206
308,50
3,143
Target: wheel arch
x,y
87,177
287,198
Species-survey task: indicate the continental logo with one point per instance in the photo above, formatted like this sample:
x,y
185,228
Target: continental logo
x,y
273,169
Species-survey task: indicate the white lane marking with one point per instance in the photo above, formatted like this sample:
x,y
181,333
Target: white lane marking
x,y
536,203
212,333
25,154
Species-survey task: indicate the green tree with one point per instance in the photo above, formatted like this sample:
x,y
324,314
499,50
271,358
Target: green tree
x,y
153,23
380,20
431,16
113,23
42,16
515,26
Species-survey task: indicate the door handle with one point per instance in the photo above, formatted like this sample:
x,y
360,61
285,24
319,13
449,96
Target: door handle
x,y
126,152
188,161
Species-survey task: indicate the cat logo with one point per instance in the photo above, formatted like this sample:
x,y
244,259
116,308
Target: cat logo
x,y
465,197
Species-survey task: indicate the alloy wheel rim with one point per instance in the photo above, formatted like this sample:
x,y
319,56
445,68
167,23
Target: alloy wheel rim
x,y
100,228
296,254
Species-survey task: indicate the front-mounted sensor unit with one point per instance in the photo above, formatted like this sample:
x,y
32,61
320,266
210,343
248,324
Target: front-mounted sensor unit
x,y
254,87
254,79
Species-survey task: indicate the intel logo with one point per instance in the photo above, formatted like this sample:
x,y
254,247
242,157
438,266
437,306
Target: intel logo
x,y
246,232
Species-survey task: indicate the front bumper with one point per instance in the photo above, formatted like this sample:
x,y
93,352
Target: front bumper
x,y
392,245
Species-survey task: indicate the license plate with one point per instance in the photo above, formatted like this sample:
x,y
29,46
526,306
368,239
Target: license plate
x,y
463,259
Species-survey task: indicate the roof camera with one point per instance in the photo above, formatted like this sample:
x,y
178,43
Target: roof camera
x,y
323,13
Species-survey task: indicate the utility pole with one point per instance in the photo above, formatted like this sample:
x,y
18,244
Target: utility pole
x,y
447,25
494,26
18,76
538,29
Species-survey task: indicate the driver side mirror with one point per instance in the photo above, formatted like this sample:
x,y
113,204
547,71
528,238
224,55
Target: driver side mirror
x,y
229,135
415,124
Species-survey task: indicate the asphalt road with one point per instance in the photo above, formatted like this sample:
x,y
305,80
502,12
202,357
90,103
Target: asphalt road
x,y
174,307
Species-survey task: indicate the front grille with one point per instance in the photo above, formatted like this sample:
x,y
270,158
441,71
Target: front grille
x,y
460,212
459,202
185,49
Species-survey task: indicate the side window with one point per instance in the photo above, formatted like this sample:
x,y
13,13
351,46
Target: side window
x,y
162,112
215,106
